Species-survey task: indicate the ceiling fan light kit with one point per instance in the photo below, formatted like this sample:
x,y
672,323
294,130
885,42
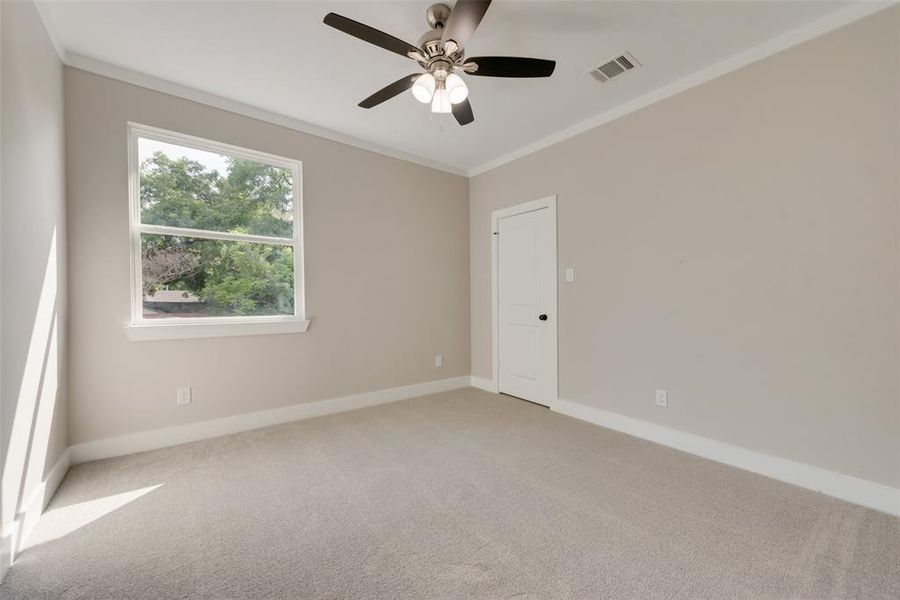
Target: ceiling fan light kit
x,y
441,102
441,53
423,88
457,89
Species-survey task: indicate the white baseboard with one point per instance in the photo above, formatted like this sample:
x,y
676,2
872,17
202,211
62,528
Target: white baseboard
x,y
13,538
858,491
483,384
191,432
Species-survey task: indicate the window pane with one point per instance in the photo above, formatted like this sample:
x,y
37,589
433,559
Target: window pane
x,y
191,277
184,187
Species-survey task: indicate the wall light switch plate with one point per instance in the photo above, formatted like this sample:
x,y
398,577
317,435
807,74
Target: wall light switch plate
x,y
438,361
183,396
570,275
662,398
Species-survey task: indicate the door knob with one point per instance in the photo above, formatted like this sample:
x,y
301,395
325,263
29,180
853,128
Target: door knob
x,y
542,317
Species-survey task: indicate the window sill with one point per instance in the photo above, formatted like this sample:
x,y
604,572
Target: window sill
x,y
182,331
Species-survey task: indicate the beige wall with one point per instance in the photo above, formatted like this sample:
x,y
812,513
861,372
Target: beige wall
x,y
386,275
32,259
736,244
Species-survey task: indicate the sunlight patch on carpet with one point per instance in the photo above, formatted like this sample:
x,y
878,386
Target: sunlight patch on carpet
x,y
62,521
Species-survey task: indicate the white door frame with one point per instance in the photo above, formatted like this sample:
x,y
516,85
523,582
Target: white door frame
x,y
549,203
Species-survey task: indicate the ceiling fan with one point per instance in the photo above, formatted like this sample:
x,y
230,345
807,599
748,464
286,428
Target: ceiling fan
x,y
441,53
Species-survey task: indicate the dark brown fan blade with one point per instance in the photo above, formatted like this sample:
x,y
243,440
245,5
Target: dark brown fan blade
x,y
369,34
512,66
463,20
389,91
463,112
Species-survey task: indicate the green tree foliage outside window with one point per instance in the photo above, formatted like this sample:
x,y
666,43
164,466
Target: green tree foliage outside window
x,y
228,278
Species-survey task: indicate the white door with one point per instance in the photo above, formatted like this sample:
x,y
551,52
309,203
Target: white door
x,y
526,305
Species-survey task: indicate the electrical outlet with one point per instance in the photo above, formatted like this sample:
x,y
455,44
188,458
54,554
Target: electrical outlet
x,y
183,396
662,398
438,360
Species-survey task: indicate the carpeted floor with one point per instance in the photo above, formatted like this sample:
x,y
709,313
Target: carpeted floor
x,y
461,494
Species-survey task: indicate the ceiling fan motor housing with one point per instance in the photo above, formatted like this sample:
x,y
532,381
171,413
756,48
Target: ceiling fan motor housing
x,y
437,15
431,43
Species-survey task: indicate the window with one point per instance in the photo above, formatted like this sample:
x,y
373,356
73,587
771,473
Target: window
x,y
216,238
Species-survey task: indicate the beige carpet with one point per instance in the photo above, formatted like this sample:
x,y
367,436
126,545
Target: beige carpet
x,y
461,494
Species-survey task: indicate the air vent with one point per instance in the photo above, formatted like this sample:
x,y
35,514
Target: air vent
x,y
614,67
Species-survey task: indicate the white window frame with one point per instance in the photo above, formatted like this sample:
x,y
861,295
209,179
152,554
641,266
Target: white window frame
x,y
140,328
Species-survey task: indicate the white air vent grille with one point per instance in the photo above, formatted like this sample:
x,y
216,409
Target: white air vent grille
x,y
614,67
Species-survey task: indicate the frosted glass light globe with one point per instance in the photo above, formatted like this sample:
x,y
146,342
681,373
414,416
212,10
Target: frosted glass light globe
x,y
441,101
423,88
456,88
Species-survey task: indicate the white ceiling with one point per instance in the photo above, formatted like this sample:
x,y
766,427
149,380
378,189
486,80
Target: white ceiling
x,y
278,56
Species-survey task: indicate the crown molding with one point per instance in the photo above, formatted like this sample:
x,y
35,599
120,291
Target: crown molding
x,y
44,13
820,26
813,29
98,67
85,63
